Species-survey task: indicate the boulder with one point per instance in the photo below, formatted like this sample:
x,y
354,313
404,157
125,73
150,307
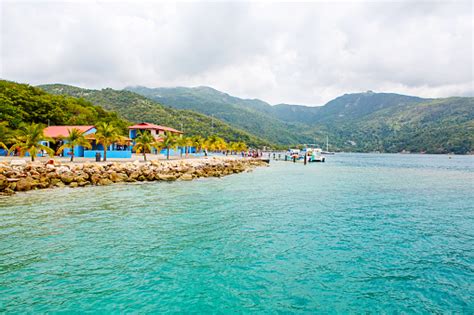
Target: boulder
x,y
17,162
186,176
67,178
3,182
23,184
105,181
166,177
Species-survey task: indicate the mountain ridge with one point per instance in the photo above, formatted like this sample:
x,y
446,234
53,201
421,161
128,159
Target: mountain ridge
x,y
364,121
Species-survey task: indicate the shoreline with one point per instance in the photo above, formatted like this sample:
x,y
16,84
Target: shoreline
x,y
20,177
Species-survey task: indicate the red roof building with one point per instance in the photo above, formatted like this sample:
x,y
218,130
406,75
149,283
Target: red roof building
x,y
63,131
156,130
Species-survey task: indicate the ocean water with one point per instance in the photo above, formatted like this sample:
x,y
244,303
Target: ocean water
x,y
360,233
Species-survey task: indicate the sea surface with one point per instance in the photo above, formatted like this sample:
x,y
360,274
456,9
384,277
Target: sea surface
x,y
361,233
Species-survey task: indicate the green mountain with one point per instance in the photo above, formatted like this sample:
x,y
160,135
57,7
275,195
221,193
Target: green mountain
x,y
361,122
137,108
24,103
254,116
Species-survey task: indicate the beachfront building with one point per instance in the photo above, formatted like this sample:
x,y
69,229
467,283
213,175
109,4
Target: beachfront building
x,y
59,132
157,131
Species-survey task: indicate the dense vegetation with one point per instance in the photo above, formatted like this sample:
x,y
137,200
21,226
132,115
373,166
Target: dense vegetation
x,y
22,103
360,122
251,115
137,108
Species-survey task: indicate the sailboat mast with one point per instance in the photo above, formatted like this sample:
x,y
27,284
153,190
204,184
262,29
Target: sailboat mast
x,y
327,143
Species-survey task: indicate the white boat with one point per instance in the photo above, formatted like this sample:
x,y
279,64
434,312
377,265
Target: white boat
x,y
327,152
314,155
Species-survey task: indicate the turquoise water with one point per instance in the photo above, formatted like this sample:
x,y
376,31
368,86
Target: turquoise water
x,y
360,233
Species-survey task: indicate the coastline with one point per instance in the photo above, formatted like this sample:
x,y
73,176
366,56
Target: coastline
x,y
18,177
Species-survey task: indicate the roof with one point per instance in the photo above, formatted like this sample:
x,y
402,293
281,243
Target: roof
x,y
63,131
153,127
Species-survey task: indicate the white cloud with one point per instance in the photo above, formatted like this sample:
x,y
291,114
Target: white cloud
x,y
280,52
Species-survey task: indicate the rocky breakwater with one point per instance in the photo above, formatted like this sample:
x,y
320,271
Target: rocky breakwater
x,y
16,176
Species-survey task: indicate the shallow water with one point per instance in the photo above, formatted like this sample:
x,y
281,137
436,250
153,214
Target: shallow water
x,y
359,233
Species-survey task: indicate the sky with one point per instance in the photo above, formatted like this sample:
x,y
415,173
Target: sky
x,y
295,53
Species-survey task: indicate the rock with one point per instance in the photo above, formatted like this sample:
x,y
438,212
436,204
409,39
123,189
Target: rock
x,y
95,179
62,169
60,184
105,181
22,176
134,175
186,177
3,182
50,167
73,185
166,177
55,181
23,184
17,162
67,178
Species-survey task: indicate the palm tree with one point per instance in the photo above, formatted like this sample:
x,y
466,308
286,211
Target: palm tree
x,y
185,142
181,142
28,139
4,134
169,141
215,143
145,142
198,142
107,134
189,143
240,146
73,139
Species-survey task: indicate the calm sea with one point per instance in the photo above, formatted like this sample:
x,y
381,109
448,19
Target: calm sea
x,y
359,233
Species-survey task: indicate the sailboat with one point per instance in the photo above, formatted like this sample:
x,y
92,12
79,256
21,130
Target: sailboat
x,y
327,152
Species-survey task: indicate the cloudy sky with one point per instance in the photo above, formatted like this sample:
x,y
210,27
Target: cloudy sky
x,y
300,53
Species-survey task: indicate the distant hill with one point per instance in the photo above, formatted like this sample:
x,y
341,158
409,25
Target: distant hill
x,y
137,108
362,122
254,116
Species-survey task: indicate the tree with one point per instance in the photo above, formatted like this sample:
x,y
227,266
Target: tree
x,y
181,142
107,134
73,139
145,142
240,146
189,143
169,141
215,143
28,139
198,142
185,142
4,134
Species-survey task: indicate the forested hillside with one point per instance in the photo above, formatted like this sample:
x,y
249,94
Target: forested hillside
x,y
24,103
137,108
362,122
255,116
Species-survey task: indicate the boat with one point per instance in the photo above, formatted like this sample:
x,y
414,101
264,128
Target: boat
x,y
292,154
327,152
312,155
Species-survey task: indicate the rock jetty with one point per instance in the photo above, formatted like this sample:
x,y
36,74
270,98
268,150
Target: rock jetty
x,y
20,176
